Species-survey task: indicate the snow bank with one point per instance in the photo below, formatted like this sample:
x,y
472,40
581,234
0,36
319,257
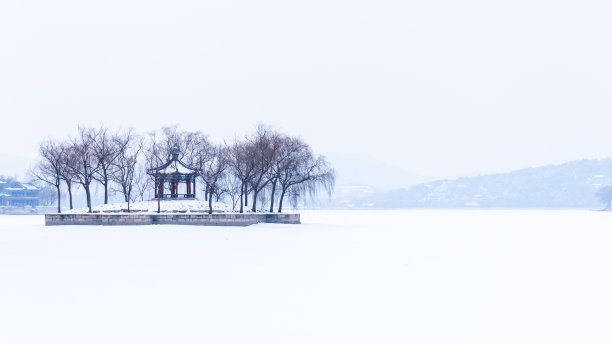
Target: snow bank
x,y
166,206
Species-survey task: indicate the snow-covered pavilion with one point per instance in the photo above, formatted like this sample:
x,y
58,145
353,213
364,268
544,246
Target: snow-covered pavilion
x,y
174,174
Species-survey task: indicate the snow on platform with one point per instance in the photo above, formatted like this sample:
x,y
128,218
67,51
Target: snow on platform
x,y
179,205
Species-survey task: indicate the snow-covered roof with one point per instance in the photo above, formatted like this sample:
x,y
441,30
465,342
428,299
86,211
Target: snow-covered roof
x,y
14,189
29,186
174,166
177,167
3,182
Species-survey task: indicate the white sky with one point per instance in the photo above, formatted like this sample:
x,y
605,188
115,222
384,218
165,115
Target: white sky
x,y
440,88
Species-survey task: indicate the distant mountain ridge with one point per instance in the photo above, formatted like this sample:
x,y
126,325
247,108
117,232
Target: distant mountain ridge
x,y
569,185
355,169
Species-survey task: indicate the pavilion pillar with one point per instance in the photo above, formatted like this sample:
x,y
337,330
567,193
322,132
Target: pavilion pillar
x,y
194,188
188,187
161,188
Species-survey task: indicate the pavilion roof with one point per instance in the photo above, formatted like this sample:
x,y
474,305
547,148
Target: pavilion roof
x,y
174,166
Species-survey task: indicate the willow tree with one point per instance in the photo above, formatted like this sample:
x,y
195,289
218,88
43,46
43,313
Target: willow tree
x,y
264,150
301,174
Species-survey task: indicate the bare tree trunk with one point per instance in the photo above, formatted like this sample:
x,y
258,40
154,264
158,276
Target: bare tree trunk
x,y
59,199
272,195
70,194
241,200
280,201
88,194
206,193
254,209
234,203
210,202
246,196
105,189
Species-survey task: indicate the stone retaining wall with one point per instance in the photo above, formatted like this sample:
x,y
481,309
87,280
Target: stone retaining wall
x,y
223,219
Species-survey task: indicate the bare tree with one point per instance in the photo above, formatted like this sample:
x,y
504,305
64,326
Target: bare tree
x,y
242,165
47,195
86,165
263,199
302,174
124,167
316,176
266,164
156,153
190,144
213,172
106,147
142,182
66,168
201,153
48,169
264,153
283,152
232,188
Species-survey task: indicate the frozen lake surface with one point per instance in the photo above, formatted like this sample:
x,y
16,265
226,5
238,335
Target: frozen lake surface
x,y
413,276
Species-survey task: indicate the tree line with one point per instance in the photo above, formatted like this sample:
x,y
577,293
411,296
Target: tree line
x,y
265,166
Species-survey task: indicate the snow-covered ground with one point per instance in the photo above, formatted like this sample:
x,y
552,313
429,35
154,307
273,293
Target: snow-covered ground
x,y
422,276
179,205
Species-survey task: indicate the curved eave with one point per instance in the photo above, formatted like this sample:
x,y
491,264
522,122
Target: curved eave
x,y
190,170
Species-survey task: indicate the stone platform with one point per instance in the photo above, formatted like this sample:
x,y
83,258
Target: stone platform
x,y
119,219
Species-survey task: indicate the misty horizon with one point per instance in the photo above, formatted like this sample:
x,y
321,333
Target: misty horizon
x,y
352,169
437,89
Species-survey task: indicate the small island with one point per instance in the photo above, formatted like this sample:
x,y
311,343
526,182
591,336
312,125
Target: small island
x,y
158,176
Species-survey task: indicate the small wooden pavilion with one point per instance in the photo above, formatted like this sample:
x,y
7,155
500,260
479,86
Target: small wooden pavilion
x,y
174,173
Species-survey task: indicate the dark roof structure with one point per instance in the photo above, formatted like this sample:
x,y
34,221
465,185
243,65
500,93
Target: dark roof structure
x,y
174,173
174,166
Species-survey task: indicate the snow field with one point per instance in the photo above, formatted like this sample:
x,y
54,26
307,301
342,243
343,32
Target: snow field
x,y
406,276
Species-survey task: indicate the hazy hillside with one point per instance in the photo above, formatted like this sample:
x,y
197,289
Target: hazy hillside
x,y
570,185
355,169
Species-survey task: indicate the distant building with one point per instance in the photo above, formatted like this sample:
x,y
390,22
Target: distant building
x,y
16,194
